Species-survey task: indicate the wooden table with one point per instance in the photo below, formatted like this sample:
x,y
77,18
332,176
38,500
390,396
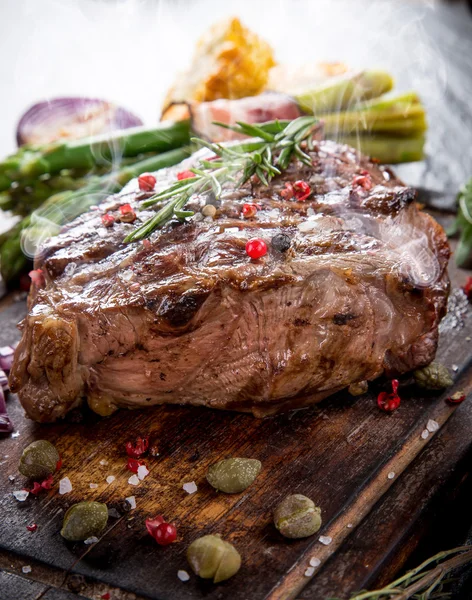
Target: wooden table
x,y
374,475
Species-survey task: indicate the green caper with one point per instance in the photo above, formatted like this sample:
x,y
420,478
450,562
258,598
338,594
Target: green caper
x,y
212,558
433,377
297,517
38,460
84,520
358,389
233,475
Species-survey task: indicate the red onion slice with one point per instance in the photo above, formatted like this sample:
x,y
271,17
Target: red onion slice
x,y
71,118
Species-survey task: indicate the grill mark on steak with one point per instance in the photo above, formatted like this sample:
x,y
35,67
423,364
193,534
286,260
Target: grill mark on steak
x,y
189,318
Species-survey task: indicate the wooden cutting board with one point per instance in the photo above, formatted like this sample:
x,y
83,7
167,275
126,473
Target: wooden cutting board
x,y
344,453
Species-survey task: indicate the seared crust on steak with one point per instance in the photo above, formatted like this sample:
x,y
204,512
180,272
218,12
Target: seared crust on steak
x,y
187,317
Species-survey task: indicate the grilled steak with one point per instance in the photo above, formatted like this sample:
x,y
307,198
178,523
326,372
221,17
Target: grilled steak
x,y
355,288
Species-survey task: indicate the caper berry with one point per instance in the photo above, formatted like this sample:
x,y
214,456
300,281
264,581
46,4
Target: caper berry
x,y
433,377
212,558
297,517
233,475
84,520
281,242
359,388
38,460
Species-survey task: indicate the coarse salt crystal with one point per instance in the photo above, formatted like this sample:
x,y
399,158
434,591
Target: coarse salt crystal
x,y
306,226
131,500
102,232
143,471
432,426
190,487
104,462
127,275
455,368
93,486
425,434
113,513
110,479
391,475
70,268
310,212
11,478
183,575
26,569
309,572
133,480
325,539
65,486
349,525
91,540
16,434
21,495
232,229
315,562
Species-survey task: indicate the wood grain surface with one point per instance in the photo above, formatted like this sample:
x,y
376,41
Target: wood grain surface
x,y
339,453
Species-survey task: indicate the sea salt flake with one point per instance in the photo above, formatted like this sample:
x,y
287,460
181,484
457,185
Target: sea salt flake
x,y
133,480
65,486
20,495
103,462
91,540
455,368
310,212
131,500
425,434
11,478
309,572
143,471
232,229
26,569
113,513
183,575
391,475
325,539
70,268
16,434
93,486
110,479
190,487
315,562
349,525
432,426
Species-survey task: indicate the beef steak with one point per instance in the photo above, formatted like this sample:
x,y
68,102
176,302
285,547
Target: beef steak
x,y
187,317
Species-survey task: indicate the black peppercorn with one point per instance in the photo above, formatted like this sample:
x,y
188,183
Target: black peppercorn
x,y
281,242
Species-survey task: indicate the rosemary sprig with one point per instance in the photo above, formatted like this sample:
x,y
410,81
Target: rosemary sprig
x,y
266,156
422,583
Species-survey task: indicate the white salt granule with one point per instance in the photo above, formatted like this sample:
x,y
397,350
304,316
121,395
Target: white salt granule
x,y
432,426
391,475
65,486
20,495
143,471
110,479
131,500
91,540
190,487
93,486
309,572
425,434
315,562
183,575
26,569
325,539
133,480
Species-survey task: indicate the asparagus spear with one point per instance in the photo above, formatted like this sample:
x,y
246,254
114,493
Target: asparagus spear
x,y
401,115
388,149
341,92
88,152
66,206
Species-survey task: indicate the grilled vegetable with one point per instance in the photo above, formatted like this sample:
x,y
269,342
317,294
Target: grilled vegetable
x,y
71,118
